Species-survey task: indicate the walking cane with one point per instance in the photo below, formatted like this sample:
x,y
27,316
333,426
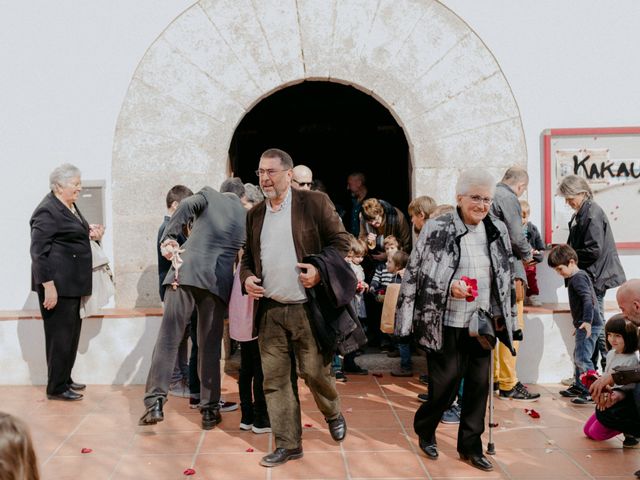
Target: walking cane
x,y
491,448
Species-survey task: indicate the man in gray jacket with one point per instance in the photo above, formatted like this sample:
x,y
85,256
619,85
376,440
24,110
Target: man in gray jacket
x,y
203,281
507,208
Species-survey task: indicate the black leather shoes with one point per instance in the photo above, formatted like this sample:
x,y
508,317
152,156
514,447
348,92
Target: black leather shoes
x,y
280,456
78,387
68,396
338,428
478,461
430,449
153,414
210,418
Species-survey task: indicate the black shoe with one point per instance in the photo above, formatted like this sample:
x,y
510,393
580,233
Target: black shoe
x,y
338,428
424,378
340,376
479,461
583,401
153,414
430,449
280,456
210,418
630,442
67,396
78,387
573,391
519,392
356,370
423,397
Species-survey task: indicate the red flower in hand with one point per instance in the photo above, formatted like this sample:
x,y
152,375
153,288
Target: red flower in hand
x,y
587,378
473,283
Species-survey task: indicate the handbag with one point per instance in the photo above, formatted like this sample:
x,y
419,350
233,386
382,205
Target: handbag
x,y
481,326
388,317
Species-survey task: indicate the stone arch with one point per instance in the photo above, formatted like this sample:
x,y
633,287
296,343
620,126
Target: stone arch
x,y
221,57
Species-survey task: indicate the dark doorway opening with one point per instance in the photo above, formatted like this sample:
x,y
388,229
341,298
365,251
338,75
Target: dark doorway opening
x,y
335,130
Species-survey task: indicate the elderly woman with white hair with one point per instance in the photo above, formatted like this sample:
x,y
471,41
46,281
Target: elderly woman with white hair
x,y
460,275
61,267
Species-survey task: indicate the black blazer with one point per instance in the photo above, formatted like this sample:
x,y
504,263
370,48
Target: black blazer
x,y
60,249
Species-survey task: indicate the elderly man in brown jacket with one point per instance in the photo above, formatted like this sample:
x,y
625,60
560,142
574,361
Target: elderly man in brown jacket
x,y
288,226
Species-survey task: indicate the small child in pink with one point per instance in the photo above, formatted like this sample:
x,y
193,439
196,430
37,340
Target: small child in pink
x,y
622,343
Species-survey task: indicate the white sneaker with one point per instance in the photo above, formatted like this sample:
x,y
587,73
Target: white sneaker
x,y
534,301
568,381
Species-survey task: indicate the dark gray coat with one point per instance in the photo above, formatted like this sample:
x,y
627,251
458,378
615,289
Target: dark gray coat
x,y
591,237
218,233
424,293
506,207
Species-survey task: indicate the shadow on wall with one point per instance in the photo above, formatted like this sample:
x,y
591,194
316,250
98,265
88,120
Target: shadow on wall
x,y
147,287
31,339
136,364
531,350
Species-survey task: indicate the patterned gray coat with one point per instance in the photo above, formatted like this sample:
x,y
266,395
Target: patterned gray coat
x,y
424,293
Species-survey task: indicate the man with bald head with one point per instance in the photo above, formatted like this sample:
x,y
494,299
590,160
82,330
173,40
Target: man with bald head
x,y
618,409
302,178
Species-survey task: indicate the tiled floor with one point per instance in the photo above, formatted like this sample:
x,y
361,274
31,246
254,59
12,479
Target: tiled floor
x,y
380,443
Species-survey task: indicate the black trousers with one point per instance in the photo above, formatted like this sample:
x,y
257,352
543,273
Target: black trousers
x,y
194,379
178,307
62,325
250,381
461,357
624,415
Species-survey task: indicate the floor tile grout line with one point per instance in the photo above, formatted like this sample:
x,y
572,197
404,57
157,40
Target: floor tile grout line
x,y
198,448
86,415
345,462
115,468
404,431
571,459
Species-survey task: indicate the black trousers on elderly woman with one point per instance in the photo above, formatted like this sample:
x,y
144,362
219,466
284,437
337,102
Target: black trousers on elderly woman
x,y
62,325
461,357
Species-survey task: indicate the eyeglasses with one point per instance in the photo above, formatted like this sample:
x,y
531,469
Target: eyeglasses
x,y
479,199
303,184
269,173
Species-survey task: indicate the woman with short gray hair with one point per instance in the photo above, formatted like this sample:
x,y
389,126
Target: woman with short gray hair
x,y
591,237
438,303
61,267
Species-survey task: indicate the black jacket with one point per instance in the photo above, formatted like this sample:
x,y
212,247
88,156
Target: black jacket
x,y
333,320
591,237
60,249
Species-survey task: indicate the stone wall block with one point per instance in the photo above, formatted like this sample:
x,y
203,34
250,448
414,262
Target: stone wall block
x,y
137,289
147,110
197,38
483,104
165,69
237,23
353,20
279,22
466,64
499,145
316,23
141,229
439,183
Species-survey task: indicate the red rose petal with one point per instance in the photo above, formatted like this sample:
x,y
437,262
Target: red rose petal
x,y
249,450
532,413
377,374
86,450
189,471
308,425
473,283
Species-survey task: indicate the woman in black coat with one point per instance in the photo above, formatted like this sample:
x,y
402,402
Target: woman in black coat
x,y
591,237
61,275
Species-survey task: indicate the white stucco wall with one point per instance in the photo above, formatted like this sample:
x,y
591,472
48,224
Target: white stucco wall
x,y
66,67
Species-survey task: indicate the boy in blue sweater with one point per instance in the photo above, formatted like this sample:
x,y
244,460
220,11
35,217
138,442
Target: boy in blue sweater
x,y
586,317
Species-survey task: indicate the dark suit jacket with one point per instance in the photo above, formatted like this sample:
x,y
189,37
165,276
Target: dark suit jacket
x,y
314,223
164,265
60,249
212,247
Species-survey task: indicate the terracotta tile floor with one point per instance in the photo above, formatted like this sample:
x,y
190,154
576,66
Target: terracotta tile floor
x,y
380,444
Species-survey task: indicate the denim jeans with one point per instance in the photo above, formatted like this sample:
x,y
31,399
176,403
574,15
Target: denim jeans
x,y
405,356
601,346
583,352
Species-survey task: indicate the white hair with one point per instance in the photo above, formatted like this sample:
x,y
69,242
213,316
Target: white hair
x,y
474,178
61,175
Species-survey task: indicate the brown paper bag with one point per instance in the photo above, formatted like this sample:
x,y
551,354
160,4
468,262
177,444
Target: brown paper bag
x,y
388,318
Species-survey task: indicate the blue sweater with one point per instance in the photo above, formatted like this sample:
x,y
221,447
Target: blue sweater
x,y
582,300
